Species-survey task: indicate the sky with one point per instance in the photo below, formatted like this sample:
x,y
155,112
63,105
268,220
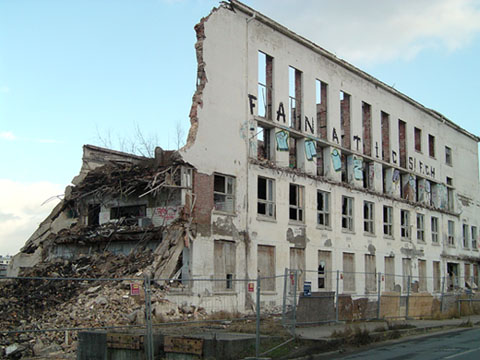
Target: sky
x,y
75,72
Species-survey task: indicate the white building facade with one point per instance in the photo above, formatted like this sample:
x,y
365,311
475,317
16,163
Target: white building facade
x,y
305,162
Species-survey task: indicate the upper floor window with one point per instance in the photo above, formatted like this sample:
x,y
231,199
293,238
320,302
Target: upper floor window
x,y
474,237
265,85
448,156
368,217
465,235
388,220
266,197
296,202
431,145
295,98
420,227
418,139
323,208
434,229
405,224
451,233
224,193
347,213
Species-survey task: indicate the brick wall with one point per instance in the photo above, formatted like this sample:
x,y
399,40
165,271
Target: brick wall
x,y
385,136
203,189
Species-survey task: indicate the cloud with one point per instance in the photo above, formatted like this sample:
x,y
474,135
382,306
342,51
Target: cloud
x,y
4,89
7,135
21,210
372,31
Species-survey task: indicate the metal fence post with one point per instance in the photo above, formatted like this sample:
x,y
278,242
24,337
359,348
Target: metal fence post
x,y
257,330
148,320
336,297
379,292
442,295
284,305
409,279
295,302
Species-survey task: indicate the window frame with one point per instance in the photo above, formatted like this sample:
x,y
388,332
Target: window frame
x,y
323,212
420,227
388,223
299,206
269,204
417,135
451,233
226,194
431,146
448,156
369,218
465,236
405,224
473,236
348,213
434,229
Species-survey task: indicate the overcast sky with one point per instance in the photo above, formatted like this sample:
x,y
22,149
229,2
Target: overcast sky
x,y
75,72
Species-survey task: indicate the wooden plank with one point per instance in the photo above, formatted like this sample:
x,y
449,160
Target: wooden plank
x,y
124,341
183,345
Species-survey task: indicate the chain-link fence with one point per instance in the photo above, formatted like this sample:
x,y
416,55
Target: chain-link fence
x,y
58,316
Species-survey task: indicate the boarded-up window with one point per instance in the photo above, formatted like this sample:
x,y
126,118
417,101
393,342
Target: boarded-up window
x,y
422,275
297,263
348,272
224,264
266,266
389,273
370,273
406,272
324,270
436,276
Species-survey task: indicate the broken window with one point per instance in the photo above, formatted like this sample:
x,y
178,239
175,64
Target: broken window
x,y
422,275
405,224
93,214
370,273
223,193
406,272
420,227
224,264
347,213
324,270
266,266
389,273
321,107
345,119
292,156
367,128
468,277
465,236
431,145
402,141
296,203
295,98
266,197
385,118
323,208
265,85
474,237
129,213
418,139
436,276
368,217
453,273
388,221
448,156
450,199
434,229
451,233
264,144
348,272
297,263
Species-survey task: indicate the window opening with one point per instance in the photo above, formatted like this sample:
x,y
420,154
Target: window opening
x,y
345,119
367,128
296,202
347,213
321,107
323,208
295,98
266,197
265,85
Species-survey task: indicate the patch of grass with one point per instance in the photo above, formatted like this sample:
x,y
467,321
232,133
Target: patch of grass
x,y
466,324
380,328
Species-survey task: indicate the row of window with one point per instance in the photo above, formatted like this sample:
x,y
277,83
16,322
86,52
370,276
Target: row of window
x,y
295,117
266,207
224,268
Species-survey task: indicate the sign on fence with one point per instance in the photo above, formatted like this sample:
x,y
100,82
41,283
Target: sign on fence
x,y
134,289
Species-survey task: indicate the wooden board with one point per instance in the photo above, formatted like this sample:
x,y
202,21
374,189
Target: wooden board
x,y
124,341
183,345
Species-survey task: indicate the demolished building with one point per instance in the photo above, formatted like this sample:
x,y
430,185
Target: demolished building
x,y
295,159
